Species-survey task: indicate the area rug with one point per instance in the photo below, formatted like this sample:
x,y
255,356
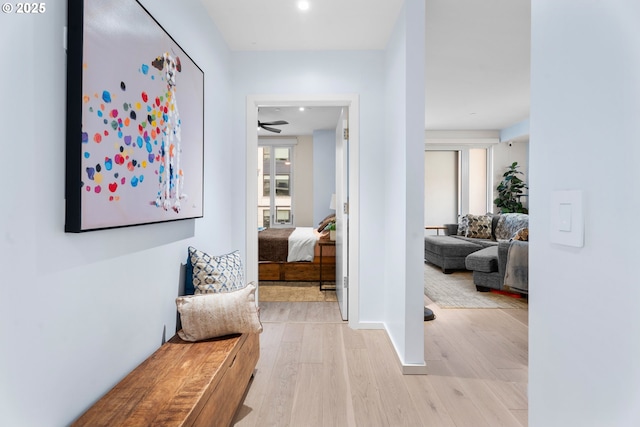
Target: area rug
x,y
456,290
294,292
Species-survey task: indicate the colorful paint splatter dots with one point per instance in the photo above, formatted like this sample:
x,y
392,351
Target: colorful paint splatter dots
x,y
85,137
145,69
123,86
145,97
106,96
97,189
97,138
108,163
133,115
91,173
113,187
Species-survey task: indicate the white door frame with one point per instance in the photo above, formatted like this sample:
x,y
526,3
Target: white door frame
x,y
350,101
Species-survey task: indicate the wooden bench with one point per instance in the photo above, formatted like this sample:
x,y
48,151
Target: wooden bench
x,y
181,384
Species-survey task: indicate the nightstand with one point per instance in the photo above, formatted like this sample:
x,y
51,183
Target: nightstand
x,y
323,243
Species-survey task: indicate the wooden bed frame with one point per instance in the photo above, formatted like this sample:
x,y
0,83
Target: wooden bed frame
x,y
301,271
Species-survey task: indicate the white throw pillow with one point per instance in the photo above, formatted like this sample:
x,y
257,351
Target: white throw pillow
x,y
218,314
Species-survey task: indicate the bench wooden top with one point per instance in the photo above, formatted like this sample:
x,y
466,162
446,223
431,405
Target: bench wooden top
x,y
170,388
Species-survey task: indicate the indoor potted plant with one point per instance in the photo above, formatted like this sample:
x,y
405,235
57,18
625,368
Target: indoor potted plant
x,y
332,230
510,190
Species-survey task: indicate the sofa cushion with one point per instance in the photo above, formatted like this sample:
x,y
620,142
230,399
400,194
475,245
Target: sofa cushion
x,y
479,226
480,242
485,260
450,246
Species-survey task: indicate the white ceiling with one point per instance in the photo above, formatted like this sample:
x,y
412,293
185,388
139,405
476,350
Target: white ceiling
x,y
477,52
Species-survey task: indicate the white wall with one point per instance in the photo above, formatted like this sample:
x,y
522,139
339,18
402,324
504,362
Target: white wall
x,y
324,173
303,167
404,184
583,302
81,310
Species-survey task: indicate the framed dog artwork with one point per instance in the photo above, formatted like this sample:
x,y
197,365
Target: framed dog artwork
x,y
135,120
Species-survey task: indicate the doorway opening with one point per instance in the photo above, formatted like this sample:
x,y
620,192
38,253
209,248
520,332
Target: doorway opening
x,y
349,102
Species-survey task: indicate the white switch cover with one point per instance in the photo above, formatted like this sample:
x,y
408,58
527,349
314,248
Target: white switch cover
x,y
567,218
564,220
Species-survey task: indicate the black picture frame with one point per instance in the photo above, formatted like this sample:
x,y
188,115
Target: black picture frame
x,y
134,122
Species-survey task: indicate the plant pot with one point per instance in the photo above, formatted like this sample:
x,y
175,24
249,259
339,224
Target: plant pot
x,y
332,234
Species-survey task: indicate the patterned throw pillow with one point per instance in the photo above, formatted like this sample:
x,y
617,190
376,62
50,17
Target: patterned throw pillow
x,y
464,224
522,235
214,274
479,226
509,224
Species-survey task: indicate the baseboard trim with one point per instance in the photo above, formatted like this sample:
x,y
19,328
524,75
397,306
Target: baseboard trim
x,y
368,325
420,369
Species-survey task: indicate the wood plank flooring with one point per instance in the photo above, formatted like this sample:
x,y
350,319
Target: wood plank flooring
x,y
316,371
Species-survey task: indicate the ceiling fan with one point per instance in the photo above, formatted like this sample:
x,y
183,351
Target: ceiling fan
x,y
267,125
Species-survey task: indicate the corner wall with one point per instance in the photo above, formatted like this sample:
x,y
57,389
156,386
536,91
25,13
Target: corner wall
x,y
82,310
583,302
404,185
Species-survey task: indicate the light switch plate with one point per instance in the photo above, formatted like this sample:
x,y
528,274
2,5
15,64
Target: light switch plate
x,y
567,218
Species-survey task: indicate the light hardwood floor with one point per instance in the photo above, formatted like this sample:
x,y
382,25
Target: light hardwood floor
x,y
316,371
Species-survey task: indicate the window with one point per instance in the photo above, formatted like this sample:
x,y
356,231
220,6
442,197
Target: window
x,y
456,183
275,201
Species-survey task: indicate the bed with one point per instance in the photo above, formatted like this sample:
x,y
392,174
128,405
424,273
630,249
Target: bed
x,y
294,255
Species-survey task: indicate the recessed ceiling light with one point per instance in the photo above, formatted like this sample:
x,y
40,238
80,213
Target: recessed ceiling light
x,y
303,5
301,108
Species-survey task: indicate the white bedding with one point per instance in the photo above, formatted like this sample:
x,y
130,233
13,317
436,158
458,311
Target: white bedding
x,y
302,244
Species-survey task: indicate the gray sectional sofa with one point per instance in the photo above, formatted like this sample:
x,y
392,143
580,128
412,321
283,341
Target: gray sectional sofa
x,y
481,244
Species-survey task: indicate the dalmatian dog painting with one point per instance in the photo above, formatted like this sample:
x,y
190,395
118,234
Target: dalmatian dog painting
x,y
170,175
142,122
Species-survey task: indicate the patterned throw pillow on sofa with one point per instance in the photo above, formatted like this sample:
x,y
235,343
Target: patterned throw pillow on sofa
x,y
479,226
213,274
464,224
522,235
509,224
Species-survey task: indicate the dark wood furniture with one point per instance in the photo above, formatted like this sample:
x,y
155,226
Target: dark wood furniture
x,y
181,384
323,278
272,260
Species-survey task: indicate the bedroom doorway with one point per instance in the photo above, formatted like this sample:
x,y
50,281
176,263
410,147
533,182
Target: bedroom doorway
x,y
348,282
